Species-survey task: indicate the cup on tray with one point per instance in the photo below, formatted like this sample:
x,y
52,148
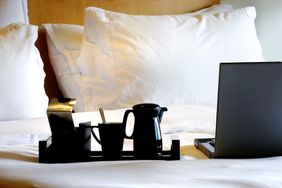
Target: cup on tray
x,y
111,139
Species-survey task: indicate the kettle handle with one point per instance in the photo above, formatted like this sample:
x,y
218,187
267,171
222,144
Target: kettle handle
x,y
94,135
127,112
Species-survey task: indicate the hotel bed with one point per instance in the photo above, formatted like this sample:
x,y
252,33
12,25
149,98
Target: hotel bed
x,y
168,54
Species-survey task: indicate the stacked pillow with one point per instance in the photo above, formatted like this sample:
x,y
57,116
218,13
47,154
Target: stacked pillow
x,y
64,44
21,68
169,59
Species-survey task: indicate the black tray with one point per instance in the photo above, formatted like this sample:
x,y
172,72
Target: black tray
x,y
48,155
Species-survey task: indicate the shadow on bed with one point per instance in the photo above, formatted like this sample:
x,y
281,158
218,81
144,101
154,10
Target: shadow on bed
x,y
192,152
16,183
17,156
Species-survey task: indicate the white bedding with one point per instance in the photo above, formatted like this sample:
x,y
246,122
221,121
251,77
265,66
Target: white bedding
x,y
19,165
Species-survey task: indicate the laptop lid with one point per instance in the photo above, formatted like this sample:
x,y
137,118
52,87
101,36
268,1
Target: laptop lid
x,y
249,110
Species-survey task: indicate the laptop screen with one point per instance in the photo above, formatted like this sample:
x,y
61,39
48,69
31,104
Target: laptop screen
x,y
249,111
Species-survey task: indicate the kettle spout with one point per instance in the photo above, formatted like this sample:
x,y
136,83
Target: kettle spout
x,y
162,110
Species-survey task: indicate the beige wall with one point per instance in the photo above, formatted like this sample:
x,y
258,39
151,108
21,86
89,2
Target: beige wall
x,y
72,11
268,23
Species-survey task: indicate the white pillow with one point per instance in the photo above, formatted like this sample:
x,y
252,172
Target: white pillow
x,y
91,52
13,11
21,74
64,42
163,59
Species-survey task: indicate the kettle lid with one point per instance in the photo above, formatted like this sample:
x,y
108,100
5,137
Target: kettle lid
x,y
144,106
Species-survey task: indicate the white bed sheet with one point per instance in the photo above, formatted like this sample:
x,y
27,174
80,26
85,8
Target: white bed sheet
x,y
19,165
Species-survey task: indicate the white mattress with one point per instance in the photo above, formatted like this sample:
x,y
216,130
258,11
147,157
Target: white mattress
x,y
19,165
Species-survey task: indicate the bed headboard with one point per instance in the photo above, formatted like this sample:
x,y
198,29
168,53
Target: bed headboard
x,y
72,11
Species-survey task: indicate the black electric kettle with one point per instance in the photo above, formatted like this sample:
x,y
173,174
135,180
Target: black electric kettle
x,y
147,138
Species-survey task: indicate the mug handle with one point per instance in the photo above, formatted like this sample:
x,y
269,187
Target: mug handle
x,y
127,112
94,135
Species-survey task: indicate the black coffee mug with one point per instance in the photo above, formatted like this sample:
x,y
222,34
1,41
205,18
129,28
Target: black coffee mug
x,y
111,139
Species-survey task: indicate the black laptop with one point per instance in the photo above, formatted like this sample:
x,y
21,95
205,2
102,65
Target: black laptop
x,y
249,112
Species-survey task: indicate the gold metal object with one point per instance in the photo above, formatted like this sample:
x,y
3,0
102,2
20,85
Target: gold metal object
x,y
61,107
